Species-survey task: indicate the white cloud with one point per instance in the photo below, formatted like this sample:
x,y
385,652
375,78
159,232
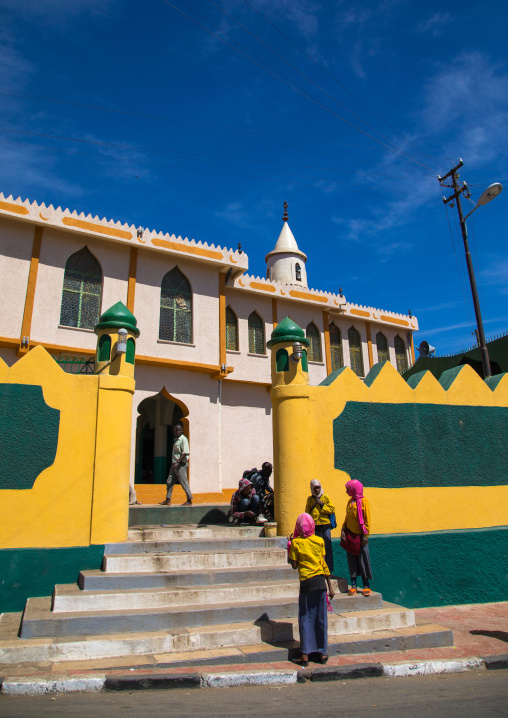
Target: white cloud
x,y
434,24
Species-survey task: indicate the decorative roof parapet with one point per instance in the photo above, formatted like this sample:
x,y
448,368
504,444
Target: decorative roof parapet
x,y
332,302
117,231
382,316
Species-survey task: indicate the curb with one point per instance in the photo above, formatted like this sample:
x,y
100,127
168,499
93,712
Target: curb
x,y
164,681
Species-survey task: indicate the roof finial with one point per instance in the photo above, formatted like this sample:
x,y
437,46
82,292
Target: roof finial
x,y
285,217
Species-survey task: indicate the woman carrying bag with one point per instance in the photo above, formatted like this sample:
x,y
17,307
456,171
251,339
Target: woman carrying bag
x,y
307,555
319,507
354,537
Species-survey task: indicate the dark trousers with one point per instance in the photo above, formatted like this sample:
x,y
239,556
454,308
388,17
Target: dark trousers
x,y
325,532
249,503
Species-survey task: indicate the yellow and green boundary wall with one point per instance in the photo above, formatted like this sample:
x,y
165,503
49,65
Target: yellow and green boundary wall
x,y
64,465
432,456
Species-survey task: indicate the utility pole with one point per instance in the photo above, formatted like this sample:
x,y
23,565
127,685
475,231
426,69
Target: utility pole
x,y
457,191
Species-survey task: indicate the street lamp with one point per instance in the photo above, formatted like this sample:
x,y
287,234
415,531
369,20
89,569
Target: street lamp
x,y
487,195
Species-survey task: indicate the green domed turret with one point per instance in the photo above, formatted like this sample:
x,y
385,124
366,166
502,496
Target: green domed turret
x,y
116,317
287,331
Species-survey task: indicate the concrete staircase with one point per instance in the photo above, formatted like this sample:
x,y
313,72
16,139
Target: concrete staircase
x,y
197,595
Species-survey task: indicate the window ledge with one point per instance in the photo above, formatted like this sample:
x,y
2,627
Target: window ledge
x,y
234,351
180,344
317,363
260,356
76,329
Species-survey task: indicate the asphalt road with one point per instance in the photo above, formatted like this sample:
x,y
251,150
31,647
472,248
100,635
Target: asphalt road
x,y
478,694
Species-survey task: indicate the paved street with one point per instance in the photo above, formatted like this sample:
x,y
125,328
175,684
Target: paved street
x,y
464,695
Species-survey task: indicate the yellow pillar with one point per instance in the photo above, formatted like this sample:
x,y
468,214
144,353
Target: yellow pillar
x,y
290,394
115,370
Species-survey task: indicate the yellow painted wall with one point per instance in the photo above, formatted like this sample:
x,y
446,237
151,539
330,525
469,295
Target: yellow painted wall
x,y
304,449
82,497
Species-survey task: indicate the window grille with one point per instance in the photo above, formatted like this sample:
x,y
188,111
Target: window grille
x,y
175,324
256,334
336,347
355,351
82,289
231,330
400,355
382,347
314,337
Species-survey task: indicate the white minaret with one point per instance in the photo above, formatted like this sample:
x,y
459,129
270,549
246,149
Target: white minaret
x,y
285,263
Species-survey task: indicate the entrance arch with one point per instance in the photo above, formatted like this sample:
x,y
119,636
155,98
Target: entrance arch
x,y
157,416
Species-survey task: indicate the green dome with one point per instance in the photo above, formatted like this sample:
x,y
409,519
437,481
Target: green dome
x,y
287,331
116,317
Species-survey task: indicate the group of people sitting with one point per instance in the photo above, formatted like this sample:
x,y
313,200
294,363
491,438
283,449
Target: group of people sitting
x,y
310,549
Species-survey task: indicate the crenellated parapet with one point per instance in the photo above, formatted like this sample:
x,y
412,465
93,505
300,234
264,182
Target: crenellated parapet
x,y
334,303
123,233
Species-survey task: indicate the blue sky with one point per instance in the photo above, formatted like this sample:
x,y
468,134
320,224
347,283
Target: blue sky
x,y
348,111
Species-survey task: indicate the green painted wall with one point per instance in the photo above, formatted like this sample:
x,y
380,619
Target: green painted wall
x,y
28,435
422,444
436,569
30,572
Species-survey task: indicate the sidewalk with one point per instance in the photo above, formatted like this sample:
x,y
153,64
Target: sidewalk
x,y
480,632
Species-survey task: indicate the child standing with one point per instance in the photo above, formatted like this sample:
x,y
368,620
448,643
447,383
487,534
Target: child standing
x,y
356,530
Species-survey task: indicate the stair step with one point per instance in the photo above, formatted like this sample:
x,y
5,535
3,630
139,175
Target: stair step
x,y
126,563
69,598
165,533
102,581
40,621
197,545
14,650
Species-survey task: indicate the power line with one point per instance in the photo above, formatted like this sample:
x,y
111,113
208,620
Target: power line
x,y
327,72
272,71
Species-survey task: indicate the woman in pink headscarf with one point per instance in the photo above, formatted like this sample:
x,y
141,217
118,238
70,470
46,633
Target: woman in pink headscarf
x,y
307,554
355,536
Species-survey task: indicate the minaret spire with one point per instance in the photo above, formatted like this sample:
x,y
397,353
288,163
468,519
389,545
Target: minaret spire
x,y
285,216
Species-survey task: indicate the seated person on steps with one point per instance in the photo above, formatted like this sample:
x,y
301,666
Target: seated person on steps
x,y
245,503
261,481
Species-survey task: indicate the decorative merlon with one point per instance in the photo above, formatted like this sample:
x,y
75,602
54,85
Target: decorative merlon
x,y
80,223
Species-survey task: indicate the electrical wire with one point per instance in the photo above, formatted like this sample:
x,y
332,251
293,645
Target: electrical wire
x,y
331,76
460,270
272,71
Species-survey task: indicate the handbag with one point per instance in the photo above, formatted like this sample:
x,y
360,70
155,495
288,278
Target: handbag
x,y
351,542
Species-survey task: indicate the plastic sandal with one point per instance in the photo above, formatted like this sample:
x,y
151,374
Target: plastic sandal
x,y
324,660
352,591
367,591
300,662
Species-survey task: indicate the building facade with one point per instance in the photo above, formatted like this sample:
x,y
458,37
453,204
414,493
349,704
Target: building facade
x,y
201,357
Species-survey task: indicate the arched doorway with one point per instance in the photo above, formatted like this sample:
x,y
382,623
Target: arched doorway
x,y
157,416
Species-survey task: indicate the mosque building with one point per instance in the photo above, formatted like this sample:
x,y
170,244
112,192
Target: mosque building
x,y
201,357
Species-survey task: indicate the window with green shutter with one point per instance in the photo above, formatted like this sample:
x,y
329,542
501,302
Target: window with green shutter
x,y
82,289
231,330
104,348
175,323
355,351
314,337
282,360
131,351
382,347
400,355
336,347
256,334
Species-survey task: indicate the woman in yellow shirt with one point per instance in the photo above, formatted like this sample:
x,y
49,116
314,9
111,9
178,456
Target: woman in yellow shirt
x,y
307,555
319,507
357,521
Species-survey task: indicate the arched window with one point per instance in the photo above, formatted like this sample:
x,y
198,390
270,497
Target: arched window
x,y
314,337
104,348
131,351
282,360
355,351
298,272
175,323
382,347
231,330
400,355
256,334
82,289
336,347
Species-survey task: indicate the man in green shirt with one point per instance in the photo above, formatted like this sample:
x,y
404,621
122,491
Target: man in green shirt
x,y
178,471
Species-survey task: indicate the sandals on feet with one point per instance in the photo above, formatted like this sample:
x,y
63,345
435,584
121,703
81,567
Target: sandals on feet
x,y
352,591
300,662
367,591
324,660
